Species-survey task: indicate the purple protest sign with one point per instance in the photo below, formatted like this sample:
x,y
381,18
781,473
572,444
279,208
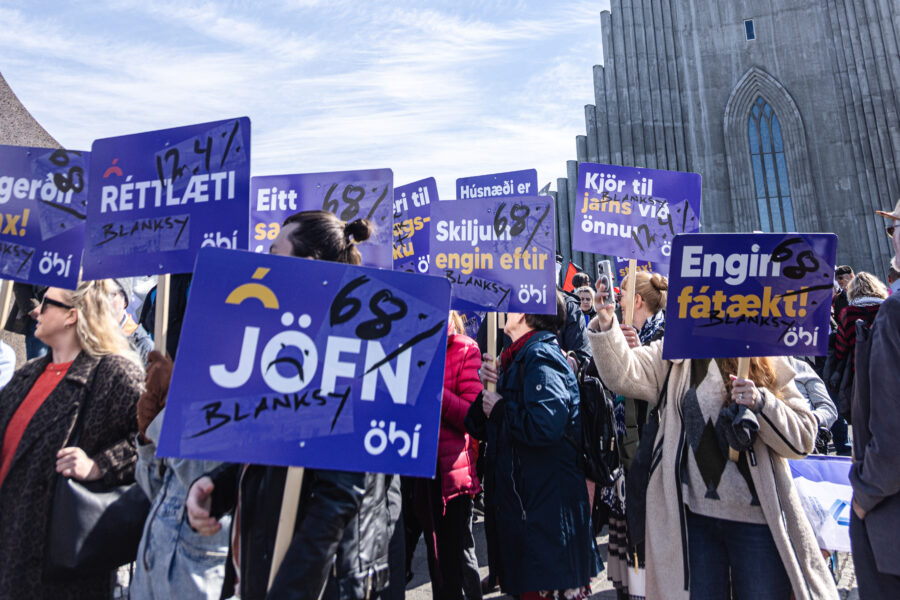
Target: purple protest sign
x,y
348,194
635,213
347,375
497,253
736,294
156,198
412,223
44,200
622,267
498,185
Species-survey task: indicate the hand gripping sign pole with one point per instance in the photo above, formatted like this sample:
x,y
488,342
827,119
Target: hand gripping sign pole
x,y
494,321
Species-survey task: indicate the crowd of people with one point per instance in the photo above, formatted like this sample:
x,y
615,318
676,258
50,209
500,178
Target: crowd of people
x,y
700,502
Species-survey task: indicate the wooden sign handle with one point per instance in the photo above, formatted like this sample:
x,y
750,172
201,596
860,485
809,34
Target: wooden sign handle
x,y
161,320
6,289
293,485
628,300
743,369
491,343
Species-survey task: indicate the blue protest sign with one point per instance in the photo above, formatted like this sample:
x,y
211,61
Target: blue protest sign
x,y
412,224
44,198
498,253
736,294
498,185
635,213
156,198
348,376
348,194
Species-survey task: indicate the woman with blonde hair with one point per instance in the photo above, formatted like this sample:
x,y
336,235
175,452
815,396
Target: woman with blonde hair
x,y
722,513
865,295
90,369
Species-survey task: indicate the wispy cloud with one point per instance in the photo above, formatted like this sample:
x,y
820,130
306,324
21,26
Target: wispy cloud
x,y
428,90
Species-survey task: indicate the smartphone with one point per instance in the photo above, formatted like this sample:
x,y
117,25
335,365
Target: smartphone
x,y
605,276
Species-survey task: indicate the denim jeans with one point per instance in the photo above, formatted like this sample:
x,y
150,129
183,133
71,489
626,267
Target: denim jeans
x,y
747,550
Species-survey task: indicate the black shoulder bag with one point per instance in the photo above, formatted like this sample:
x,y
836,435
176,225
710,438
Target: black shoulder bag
x,y
93,527
637,479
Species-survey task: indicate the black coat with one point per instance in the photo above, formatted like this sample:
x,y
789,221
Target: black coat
x,y
538,489
875,474
111,388
341,533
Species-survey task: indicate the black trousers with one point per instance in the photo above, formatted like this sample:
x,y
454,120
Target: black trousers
x,y
873,585
454,571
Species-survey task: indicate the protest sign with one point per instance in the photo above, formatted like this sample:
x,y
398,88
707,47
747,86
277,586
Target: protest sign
x,y
347,376
498,253
640,265
412,223
498,185
635,213
155,198
823,484
349,195
44,200
744,295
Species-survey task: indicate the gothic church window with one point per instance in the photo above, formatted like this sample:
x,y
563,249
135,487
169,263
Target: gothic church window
x,y
773,195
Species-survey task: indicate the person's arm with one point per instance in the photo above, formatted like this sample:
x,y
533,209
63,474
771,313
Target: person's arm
x,y
632,372
463,391
540,420
786,425
335,498
476,420
574,333
114,401
877,475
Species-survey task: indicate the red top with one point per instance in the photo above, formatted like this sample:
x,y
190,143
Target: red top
x,y
45,384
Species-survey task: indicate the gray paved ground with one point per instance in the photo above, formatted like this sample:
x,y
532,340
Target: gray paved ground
x,y
420,587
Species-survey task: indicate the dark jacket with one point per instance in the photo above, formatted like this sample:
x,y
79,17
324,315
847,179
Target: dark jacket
x,y
875,474
111,388
341,534
540,497
573,333
27,298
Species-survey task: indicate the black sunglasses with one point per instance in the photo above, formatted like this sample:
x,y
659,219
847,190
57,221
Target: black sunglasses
x,y
50,301
890,230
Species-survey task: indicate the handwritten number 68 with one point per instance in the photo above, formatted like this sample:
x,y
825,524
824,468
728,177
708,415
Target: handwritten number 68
x,y
806,260
345,307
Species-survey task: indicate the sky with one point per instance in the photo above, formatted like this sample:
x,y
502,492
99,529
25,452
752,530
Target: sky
x,y
442,89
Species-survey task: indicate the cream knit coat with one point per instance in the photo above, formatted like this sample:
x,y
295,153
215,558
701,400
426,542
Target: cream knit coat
x,y
787,429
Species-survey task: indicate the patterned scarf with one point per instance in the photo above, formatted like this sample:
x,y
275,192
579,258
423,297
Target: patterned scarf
x,y
651,326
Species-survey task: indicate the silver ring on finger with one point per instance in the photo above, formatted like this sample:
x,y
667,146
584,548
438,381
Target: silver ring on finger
x,y
740,395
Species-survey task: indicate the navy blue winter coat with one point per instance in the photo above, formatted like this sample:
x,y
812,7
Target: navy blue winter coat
x,y
536,492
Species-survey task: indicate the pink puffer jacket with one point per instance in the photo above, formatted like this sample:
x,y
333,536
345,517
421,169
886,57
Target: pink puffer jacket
x,y
456,453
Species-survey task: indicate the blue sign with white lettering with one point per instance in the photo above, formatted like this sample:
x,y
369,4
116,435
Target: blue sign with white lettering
x,y
44,198
156,198
348,194
634,213
498,185
290,361
412,224
498,253
749,294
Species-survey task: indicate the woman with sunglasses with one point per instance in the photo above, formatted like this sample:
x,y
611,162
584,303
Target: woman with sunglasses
x,y
91,369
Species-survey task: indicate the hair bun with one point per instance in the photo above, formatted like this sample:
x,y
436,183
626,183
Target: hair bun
x,y
659,282
358,230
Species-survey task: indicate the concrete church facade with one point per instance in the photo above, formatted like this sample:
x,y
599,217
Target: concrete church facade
x,y
788,109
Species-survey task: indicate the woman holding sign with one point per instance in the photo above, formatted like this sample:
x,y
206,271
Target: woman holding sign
x,y
340,543
85,389
722,513
539,500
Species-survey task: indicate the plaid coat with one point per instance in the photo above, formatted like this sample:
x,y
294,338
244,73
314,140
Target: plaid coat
x,y
111,386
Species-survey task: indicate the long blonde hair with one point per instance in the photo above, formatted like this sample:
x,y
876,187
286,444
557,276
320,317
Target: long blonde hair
x,y
97,332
